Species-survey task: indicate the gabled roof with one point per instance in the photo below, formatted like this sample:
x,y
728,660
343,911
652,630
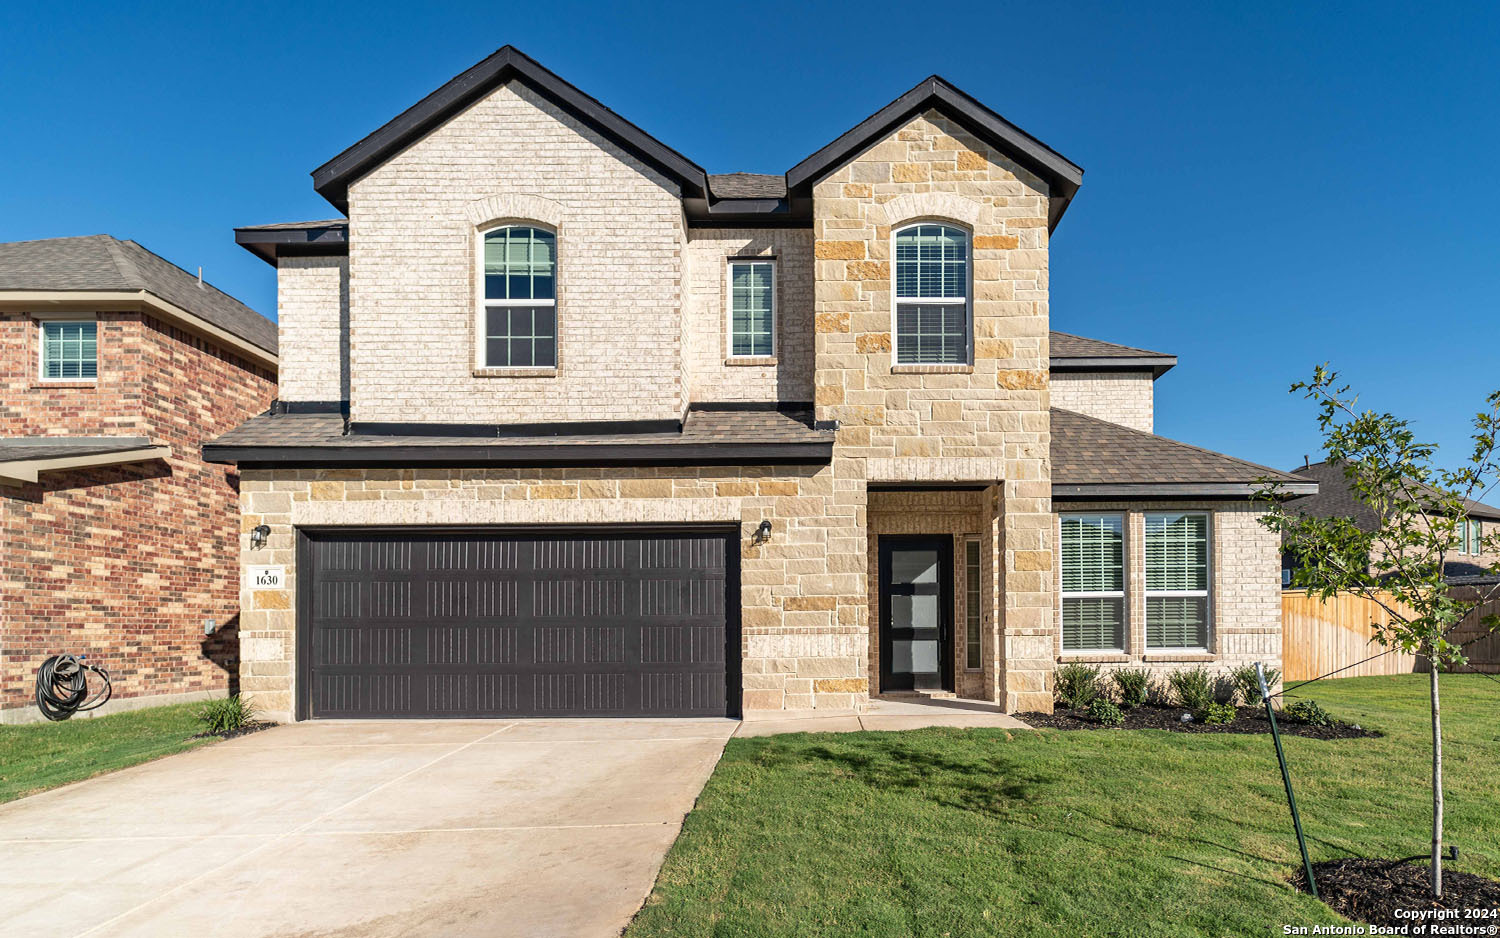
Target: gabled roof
x,y
1334,499
1075,353
1062,175
105,264
1093,458
332,179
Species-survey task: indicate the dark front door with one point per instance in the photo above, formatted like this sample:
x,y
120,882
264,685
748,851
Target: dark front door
x,y
916,613
485,623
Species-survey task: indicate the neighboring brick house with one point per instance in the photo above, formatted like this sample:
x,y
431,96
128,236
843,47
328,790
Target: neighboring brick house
x,y
120,541
569,426
1476,549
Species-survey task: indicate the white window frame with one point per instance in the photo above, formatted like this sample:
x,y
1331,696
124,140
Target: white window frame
x,y
1121,594
973,604
42,321
729,307
482,304
1205,594
967,300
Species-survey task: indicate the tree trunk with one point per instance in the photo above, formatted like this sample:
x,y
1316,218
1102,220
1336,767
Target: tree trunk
x,y
1437,786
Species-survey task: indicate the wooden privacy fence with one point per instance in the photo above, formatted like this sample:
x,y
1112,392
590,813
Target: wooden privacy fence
x,y
1319,637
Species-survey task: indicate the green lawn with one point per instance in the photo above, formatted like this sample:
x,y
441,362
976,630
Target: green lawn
x,y
38,756
985,832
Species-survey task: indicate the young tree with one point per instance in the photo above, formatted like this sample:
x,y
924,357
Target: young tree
x,y
1421,511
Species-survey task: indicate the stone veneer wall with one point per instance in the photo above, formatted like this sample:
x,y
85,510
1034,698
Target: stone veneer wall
x,y
985,423
1124,398
312,322
804,627
788,376
1244,594
414,226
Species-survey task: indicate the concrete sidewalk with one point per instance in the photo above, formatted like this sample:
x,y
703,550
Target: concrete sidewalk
x,y
463,828
887,713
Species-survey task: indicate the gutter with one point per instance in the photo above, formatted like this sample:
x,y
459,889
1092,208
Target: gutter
x,y
1174,490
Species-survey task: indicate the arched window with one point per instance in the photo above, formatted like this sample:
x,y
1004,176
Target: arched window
x,y
932,295
518,321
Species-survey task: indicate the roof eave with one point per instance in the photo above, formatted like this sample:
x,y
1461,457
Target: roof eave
x,y
524,455
272,244
1097,490
1158,365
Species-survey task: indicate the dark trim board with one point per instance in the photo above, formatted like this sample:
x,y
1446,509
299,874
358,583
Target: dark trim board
x,y
1173,490
460,455
1158,365
504,430
307,535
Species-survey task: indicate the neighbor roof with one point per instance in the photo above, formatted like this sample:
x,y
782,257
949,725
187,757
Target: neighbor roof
x,y
102,263
727,199
708,434
1334,498
1096,458
21,458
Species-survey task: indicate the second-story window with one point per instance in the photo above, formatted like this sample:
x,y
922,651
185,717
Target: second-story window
x,y
932,295
518,324
752,309
70,351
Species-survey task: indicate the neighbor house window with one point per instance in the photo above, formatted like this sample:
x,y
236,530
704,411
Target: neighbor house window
x,y
518,320
972,604
1177,580
932,295
1093,583
1469,541
70,351
752,309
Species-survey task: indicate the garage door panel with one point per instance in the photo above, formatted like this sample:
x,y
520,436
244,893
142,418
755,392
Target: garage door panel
x,y
478,624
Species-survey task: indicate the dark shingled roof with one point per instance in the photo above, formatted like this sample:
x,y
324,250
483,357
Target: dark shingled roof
x,y
261,437
16,449
747,186
1335,500
1066,345
104,263
1088,453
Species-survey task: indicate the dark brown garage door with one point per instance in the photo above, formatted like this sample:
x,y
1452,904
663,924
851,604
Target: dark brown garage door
x,y
489,624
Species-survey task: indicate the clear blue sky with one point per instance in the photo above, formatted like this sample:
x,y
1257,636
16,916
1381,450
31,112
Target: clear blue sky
x,y
1268,185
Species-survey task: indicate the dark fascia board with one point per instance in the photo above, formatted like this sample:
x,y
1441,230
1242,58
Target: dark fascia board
x,y
269,244
1062,175
1158,365
1096,490
621,454
332,179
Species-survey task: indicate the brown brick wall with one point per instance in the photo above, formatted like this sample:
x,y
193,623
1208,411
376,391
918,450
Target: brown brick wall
x,y
124,563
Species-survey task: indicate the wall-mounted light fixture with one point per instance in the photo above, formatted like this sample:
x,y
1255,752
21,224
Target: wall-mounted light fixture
x,y
762,533
258,536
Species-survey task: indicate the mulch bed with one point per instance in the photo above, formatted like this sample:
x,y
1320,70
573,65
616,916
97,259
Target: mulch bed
x,y
1371,891
242,731
1150,717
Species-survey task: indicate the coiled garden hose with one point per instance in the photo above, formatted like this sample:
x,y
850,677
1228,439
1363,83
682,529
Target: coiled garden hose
x,y
62,687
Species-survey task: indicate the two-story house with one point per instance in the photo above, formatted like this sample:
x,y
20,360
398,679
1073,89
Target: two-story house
x,y
569,426
120,542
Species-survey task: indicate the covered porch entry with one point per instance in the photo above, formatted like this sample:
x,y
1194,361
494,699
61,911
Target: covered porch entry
x,y
934,610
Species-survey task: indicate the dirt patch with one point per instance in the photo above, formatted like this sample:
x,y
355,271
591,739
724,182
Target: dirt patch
x,y
1149,717
1371,891
242,731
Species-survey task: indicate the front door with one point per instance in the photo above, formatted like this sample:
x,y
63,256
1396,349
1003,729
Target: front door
x,y
916,613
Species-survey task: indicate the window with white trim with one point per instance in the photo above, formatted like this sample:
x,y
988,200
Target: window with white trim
x,y
752,309
518,316
70,350
1177,580
973,610
1093,582
1469,538
932,295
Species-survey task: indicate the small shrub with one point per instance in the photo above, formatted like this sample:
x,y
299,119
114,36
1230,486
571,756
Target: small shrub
x,y
227,715
1307,712
1158,693
1106,711
1134,687
1078,685
1193,687
1216,714
1247,686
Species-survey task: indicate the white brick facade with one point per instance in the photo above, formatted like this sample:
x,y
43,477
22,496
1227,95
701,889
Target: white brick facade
x,y
1124,398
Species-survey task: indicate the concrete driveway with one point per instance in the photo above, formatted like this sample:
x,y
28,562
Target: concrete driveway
x,y
531,828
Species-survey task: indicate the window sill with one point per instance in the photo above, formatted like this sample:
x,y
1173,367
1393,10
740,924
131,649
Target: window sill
x,y
750,360
932,369
1180,656
64,384
515,372
1100,657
